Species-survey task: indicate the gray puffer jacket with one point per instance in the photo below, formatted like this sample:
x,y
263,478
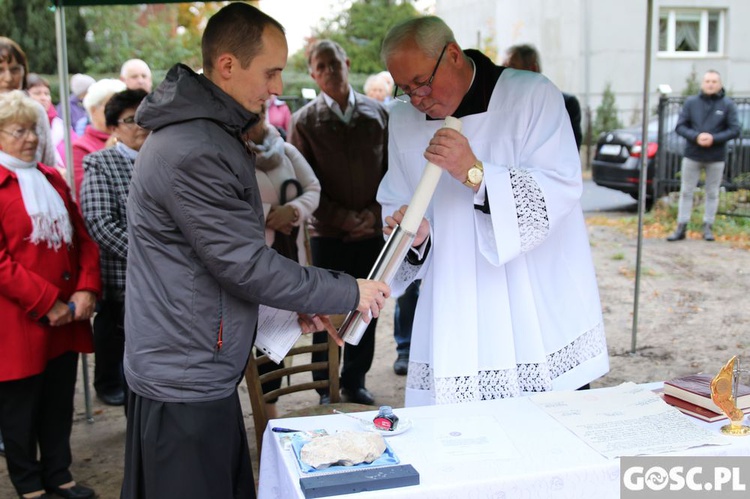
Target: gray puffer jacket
x,y
198,266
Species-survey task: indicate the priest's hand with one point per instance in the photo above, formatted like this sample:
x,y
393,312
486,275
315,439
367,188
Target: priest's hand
x,y
422,232
451,151
372,295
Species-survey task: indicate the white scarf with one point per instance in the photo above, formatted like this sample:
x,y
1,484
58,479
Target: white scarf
x,y
270,153
50,221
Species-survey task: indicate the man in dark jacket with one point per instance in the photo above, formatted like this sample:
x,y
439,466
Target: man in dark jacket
x,y
198,267
707,121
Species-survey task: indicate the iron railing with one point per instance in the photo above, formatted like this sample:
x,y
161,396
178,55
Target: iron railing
x,y
736,183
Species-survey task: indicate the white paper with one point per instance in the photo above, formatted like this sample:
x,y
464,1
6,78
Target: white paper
x,y
626,420
278,331
472,438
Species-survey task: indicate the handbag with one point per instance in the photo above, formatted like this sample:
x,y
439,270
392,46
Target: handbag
x,y
286,244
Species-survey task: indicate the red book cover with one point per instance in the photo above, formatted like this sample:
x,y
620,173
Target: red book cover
x,y
696,389
693,410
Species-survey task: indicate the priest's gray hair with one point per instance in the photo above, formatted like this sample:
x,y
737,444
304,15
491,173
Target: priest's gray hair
x,y
430,33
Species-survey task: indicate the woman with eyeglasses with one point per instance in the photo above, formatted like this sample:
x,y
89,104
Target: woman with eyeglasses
x,y
14,70
49,282
104,195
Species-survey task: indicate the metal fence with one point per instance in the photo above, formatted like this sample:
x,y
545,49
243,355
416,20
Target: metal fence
x,y
735,192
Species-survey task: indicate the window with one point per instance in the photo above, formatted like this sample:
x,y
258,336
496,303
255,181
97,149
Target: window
x,y
691,32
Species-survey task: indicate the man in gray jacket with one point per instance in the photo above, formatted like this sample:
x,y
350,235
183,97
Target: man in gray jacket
x,y
198,267
707,121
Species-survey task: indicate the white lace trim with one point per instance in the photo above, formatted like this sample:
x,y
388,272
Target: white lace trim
x,y
531,209
504,383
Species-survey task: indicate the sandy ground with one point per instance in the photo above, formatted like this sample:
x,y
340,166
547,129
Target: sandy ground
x,y
693,317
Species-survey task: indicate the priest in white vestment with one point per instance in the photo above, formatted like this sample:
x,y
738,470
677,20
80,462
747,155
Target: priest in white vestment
x,y
509,303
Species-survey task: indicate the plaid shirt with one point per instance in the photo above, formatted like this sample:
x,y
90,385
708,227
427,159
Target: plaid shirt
x,y
104,196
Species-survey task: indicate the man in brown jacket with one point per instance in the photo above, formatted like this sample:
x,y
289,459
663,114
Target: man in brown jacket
x,y
344,137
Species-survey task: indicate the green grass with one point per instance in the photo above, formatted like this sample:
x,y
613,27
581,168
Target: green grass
x,y
662,220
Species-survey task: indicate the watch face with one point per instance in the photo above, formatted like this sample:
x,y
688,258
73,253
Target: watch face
x,y
475,175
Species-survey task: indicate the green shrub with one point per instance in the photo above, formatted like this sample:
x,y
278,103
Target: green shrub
x,y
692,85
606,114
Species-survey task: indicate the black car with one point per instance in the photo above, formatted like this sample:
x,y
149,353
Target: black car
x,y
618,152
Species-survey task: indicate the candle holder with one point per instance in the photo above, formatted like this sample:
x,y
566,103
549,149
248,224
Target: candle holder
x,y
385,268
724,394
392,255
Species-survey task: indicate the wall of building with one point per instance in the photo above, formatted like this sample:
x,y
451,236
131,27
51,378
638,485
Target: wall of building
x,y
585,44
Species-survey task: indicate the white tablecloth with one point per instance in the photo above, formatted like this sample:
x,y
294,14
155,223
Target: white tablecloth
x,y
538,458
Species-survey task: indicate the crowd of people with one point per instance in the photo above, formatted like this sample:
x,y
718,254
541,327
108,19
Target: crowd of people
x,y
202,195
62,256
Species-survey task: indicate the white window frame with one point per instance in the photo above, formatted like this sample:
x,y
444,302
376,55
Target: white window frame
x,y
703,33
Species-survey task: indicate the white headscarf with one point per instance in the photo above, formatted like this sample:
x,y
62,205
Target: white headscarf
x,y
50,221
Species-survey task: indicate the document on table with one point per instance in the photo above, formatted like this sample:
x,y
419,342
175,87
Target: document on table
x,y
626,420
471,438
278,331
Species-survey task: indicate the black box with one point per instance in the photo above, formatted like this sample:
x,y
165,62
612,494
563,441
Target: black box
x,y
348,482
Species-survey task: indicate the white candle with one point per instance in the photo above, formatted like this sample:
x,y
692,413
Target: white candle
x,y
426,187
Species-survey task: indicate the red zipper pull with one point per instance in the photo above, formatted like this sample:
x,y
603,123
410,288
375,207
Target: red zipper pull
x,y
220,339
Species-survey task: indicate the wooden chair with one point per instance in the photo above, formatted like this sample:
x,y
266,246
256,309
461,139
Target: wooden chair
x,y
298,360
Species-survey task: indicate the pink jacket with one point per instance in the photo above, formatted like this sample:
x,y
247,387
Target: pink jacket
x,y
92,140
279,114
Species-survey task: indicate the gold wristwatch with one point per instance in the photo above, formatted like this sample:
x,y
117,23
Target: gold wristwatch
x,y
475,175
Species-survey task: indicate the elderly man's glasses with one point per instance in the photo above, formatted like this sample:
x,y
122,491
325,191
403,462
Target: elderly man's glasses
x,y
422,90
21,133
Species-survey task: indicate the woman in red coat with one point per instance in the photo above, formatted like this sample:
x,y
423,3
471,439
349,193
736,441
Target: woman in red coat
x,y
49,281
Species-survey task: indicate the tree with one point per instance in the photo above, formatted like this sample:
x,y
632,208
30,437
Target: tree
x,y
31,24
360,30
692,85
162,35
606,113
